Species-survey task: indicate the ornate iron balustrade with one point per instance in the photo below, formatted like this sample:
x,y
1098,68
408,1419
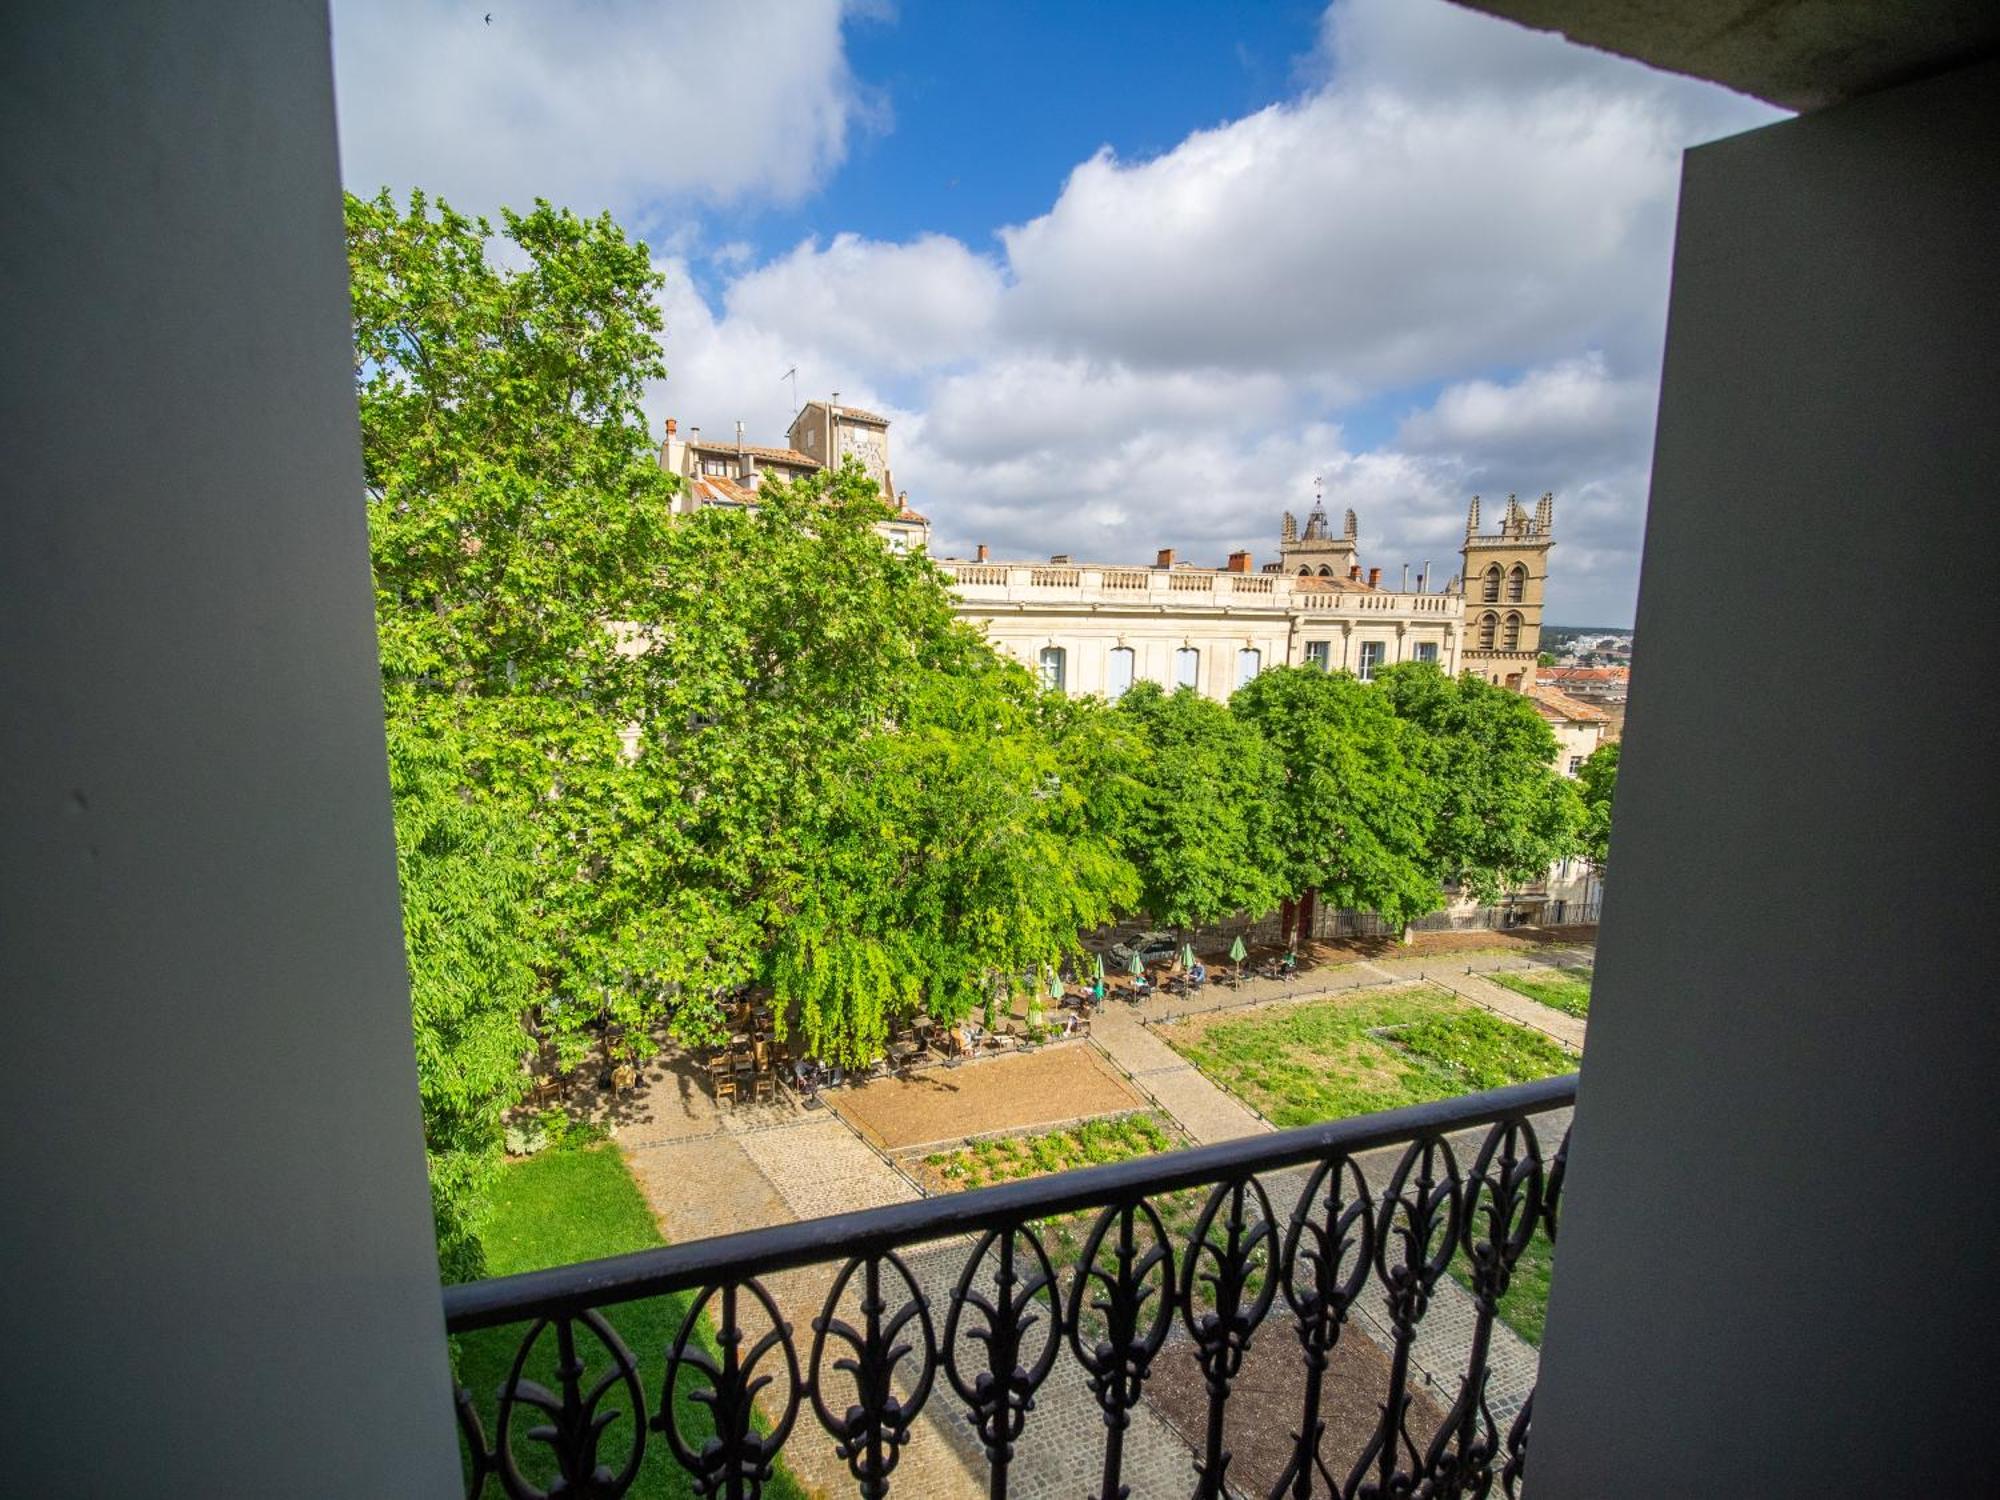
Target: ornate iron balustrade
x,y
878,1345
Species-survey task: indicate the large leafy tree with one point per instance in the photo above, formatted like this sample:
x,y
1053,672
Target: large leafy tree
x,y
1350,817
1500,814
1200,832
513,511
466,873
1597,782
877,811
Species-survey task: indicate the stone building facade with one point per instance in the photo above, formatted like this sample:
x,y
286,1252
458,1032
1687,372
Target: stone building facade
x,y
729,473
1100,627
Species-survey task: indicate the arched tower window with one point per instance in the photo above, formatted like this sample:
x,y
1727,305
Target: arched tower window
x,y
1517,584
1489,625
1492,591
1511,639
1326,572
1306,572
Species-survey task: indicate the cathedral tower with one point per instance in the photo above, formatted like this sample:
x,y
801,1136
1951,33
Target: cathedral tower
x,y
1506,572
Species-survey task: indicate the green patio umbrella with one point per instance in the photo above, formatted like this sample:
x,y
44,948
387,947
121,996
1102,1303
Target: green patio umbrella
x,y
1237,952
1055,985
1137,967
1097,966
1187,955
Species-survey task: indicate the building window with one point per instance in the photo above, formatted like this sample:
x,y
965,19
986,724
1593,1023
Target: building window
x,y
1426,651
1511,641
1053,665
1371,658
1319,654
1517,584
717,466
1575,765
1122,665
1187,667
1248,664
1489,625
1492,594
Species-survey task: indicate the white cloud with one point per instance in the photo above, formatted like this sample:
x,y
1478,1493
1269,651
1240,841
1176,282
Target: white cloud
x,y
619,105
1172,351
899,306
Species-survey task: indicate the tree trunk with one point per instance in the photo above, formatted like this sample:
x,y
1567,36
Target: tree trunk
x,y
1308,910
1287,909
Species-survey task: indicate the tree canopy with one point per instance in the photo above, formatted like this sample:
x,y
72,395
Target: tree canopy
x,y
1200,830
1499,812
1597,781
1351,818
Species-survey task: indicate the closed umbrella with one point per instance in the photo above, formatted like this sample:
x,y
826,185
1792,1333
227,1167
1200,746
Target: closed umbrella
x,y
1055,985
1187,955
1097,966
1137,967
1237,952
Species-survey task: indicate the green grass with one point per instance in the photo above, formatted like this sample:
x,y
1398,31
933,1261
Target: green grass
x,y
1566,990
1525,1304
1327,1060
578,1204
1090,1144
1300,1064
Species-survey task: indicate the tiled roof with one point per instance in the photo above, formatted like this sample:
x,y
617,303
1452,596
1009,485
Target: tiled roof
x,y
1586,674
1562,705
772,455
910,518
714,489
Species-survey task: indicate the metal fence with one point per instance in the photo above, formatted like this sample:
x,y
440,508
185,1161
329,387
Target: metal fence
x,y
1295,1232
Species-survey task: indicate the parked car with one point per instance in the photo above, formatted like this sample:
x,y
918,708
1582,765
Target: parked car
x,y
1152,948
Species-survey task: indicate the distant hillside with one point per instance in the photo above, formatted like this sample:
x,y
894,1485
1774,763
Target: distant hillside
x,y
1566,630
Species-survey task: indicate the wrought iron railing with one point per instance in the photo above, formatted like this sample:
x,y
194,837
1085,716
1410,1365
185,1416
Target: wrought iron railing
x,y
1366,1230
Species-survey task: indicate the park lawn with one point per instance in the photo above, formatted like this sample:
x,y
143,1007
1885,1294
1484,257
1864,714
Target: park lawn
x,y
1353,1055
1300,1064
1566,990
571,1204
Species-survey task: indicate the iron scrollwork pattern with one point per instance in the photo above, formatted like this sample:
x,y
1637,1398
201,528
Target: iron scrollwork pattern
x,y
575,1419
1234,1257
1000,1396
1117,1296
737,1460
871,1431
1359,1237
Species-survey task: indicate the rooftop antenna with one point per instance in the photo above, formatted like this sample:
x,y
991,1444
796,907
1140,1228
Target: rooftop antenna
x,y
1319,487
793,376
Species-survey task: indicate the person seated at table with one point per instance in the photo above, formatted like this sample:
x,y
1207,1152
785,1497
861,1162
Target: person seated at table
x,y
1198,975
1289,961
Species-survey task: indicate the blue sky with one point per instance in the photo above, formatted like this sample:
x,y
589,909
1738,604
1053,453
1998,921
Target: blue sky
x,y
1123,275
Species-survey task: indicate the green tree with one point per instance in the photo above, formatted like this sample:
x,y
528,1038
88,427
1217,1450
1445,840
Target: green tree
x,y
1597,780
465,874
889,814
1350,817
1199,832
1500,812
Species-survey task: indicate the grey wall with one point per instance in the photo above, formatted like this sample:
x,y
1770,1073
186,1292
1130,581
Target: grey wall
x,y
1778,1269
215,1240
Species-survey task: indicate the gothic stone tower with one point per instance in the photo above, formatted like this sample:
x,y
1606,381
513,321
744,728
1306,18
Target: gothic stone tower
x,y
1505,575
1318,552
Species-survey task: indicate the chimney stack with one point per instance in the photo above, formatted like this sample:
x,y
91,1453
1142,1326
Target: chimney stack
x,y
1239,562
1406,578
694,434
982,552
671,427
1354,572
1374,577
1165,559
739,437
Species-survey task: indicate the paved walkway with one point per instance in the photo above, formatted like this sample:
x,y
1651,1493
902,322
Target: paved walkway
x,y
709,1171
